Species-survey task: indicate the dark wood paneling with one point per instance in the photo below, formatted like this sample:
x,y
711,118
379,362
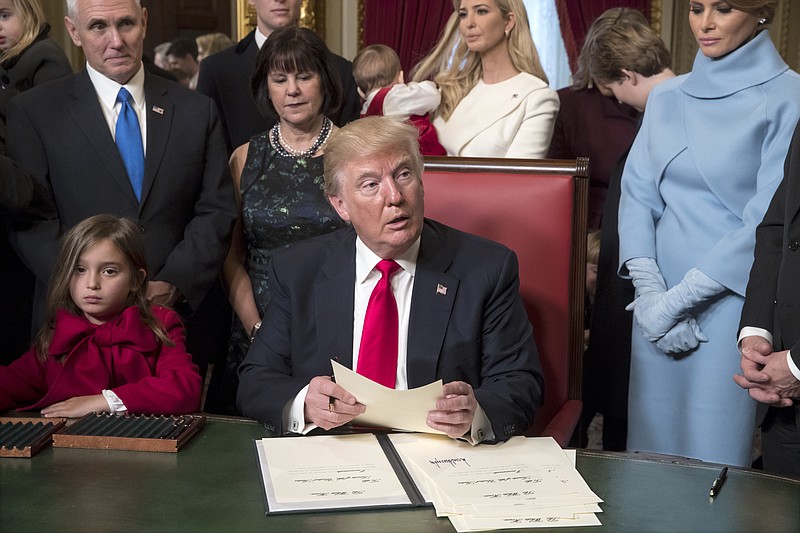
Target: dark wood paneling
x,y
170,19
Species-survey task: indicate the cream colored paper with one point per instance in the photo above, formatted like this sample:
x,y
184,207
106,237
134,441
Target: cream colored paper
x,y
390,408
524,482
327,472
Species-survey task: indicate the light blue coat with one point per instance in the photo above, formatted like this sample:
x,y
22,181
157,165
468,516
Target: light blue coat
x,y
697,182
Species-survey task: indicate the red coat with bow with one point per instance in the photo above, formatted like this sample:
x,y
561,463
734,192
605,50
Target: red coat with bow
x,y
122,355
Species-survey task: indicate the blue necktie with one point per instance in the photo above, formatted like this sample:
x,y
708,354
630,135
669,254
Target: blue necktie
x,y
129,141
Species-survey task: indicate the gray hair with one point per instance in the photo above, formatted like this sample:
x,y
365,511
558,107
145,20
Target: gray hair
x,y
72,7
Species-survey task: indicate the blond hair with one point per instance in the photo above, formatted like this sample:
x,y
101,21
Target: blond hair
x,y
211,43
375,66
32,17
456,70
369,137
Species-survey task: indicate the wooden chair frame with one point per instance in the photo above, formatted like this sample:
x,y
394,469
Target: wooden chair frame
x,y
537,169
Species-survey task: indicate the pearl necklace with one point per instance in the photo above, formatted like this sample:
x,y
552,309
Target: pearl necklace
x,y
286,150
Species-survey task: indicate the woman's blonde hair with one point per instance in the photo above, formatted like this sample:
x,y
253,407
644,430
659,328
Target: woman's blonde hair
x,y
456,70
211,43
127,238
32,17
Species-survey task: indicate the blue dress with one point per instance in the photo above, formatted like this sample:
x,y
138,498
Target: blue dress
x,y
282,203
698,180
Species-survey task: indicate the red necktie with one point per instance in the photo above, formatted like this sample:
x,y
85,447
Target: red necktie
x,y
377,355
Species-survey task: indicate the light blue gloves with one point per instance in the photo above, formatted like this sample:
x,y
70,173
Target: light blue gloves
x,y
684,336
663,315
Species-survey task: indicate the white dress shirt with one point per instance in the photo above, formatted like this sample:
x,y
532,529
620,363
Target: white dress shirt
x,y
107,90
402,287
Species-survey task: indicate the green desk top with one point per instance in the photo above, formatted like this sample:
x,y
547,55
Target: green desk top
x,y
213,485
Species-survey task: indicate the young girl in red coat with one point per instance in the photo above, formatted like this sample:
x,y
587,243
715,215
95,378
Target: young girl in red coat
x,y
104,347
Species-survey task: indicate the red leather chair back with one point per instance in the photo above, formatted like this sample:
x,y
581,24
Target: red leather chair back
x,y
538,209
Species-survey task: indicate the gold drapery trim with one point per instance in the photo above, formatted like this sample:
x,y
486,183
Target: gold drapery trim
x,y
656,15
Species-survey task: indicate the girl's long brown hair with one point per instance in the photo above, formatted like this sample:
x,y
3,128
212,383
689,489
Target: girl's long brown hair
x,y
123,234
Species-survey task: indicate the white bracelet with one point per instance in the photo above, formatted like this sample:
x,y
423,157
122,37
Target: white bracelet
x,y
255,329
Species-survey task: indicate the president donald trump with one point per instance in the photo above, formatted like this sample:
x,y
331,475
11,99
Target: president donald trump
x,y
399,298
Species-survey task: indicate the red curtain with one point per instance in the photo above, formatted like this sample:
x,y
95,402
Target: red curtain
x,y
576,16
410,27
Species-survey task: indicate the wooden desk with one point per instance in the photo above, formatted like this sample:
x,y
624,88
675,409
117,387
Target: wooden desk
x,y
213,485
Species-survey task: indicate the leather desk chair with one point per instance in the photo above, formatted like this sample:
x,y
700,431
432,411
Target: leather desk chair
x,y
538,209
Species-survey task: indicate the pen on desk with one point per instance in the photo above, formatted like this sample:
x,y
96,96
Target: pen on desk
x,y
718,482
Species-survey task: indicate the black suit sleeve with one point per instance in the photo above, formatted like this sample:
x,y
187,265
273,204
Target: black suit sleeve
x,y
196,260
351,102
36,244
512,388
771,294
267,381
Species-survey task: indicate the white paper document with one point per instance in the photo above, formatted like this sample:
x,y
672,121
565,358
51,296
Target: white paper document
x,y
327,472
390,408
525,482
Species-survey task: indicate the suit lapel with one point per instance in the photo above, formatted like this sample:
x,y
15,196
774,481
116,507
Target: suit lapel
x,y
160,111
334,305
431,305
86,113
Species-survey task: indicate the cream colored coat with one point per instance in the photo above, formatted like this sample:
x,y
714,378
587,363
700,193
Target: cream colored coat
x,y
513,118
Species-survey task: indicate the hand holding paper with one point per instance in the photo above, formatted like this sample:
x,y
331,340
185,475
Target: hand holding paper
x,y
329,405
455,410
390,408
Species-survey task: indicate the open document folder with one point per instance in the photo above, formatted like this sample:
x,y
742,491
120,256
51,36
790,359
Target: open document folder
x,y
390,408
524,482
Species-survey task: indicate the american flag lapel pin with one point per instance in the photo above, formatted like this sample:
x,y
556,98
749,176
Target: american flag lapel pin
x,y
441,289
159,110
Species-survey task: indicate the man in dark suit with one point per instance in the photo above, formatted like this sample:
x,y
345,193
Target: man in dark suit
x,y
225,76
460,315
63,134
770,327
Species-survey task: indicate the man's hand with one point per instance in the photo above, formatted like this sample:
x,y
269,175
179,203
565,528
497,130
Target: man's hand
x,y
766,374
77,407
454,410
328,405
162,293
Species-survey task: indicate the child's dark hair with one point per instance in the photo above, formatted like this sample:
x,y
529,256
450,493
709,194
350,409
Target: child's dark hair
x,y
123,234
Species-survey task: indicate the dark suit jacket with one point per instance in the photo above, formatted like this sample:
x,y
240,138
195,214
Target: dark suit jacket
x,y
607,360
187,209
225,77
478,332
591,125
772,299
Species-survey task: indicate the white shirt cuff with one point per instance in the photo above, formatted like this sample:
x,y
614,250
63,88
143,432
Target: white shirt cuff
x,y
294,418
792,367
750,331
115,405
481,428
